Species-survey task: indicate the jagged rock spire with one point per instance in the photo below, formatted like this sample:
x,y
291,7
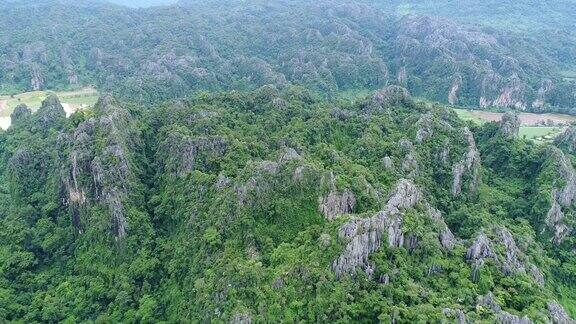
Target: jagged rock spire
x,y
510,125
51,112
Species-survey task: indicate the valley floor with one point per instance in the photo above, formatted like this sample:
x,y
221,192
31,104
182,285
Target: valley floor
x,y
71,101
538,127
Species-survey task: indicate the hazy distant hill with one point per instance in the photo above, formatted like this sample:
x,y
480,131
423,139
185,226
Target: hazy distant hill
x,y
143,3
330,46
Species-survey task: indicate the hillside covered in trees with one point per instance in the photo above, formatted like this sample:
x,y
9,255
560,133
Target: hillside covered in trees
x,y
466,54
272,206
267,161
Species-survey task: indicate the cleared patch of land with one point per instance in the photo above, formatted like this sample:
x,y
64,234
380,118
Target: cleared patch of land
x,y
526,119
537,127
539,133
71,100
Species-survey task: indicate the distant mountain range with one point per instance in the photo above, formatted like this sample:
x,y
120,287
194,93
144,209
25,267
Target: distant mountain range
x,y
329,46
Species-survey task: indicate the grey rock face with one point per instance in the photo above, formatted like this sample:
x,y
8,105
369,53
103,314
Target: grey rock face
x,y
182,154
365,236
501,91
461,317
469,165
20,113
544,89
511,262
480,249
113,198
269,167
562,197
298,174
567,174
502,316
390,96
536,275
410,161
402,76
336,204
425,128
36,80
289,154
93,176
222,182
567,139
51,112
510,125
455,90
493,77
488,302
388,163
241,318
558,314
444,155
478,252
19,162
458,315
279,103
259,180
507,318
447,238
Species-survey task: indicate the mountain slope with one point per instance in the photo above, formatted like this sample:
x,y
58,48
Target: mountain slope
x,y
279,206
331,47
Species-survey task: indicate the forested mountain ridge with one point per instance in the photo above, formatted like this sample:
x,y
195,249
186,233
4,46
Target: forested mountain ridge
x,y
279,206
328,46
266,161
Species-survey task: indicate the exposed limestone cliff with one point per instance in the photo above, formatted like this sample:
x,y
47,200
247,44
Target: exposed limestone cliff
x,y
444,154
469,166
262,176
410,161
510,125
558,314
507,318
388,97
486,72
425,127
511,264
555,219
20,113
288,155
388,163
567,140
36,78
511,261
455,90
499,91
402,77
100,176
488,302
182,154
561,196
365,236
458,316
478,252
545,87
51,112
335,203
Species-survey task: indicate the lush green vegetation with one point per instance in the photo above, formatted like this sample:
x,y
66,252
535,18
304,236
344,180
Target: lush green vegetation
x,y
80,98
207,210
330,47
540,133
266,162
